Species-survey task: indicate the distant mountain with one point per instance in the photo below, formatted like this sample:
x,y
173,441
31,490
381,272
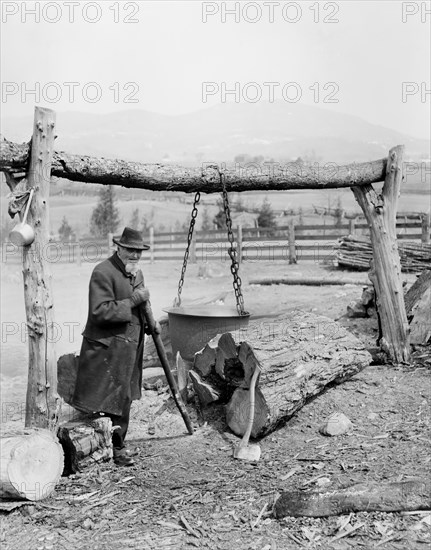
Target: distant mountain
x,y
277,130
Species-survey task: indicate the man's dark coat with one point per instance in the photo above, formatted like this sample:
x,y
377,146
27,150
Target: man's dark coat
x,y
110,361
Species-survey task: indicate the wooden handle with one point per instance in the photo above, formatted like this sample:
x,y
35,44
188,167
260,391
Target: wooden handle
x,y
252,390
158,342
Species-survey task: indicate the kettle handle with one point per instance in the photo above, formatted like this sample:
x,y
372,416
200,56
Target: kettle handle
x,y
27,206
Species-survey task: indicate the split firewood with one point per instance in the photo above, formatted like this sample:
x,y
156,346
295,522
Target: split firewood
x,y
226,359
30,465
206,393
299,354
356,253
205,359
367,497
182,377
84,438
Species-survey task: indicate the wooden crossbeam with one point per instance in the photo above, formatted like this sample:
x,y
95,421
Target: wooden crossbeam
x,y
205,178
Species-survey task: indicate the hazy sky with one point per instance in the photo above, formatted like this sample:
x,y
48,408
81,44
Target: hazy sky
x,y
357,57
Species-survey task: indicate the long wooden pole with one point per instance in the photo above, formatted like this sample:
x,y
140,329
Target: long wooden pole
x,y
158,342
204,178
42,400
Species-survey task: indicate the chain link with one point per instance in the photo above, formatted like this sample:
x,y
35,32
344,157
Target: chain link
x,y
189,242
234,268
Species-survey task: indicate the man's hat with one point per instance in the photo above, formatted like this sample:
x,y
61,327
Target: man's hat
x,y
131,239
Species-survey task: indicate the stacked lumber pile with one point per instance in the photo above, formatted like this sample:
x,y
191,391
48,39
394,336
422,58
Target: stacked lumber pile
x,y
356,253
298,354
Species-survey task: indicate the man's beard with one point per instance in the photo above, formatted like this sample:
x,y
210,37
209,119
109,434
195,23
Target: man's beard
x,y
131,267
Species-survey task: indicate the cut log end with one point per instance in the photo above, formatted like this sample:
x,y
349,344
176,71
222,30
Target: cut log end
x,y
31,466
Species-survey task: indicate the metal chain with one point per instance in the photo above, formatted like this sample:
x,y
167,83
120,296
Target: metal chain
x,y
234,268
189,242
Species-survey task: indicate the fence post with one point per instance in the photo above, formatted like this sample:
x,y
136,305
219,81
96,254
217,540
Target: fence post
x,y
292,249
425,229
239,243
352,226
152,245
193,249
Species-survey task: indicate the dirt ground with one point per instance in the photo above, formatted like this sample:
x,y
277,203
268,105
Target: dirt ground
x,y
189,492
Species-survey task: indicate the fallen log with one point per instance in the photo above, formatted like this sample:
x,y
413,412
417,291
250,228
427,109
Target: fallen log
x,y
30,465
367,497
299,354
309,281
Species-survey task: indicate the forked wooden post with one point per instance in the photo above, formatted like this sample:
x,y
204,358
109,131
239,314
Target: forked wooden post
x,y
381,211
42,400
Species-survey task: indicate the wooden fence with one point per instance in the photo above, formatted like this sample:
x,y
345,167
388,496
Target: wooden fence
x,y
290,243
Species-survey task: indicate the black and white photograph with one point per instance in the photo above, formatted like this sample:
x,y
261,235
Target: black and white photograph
x,y
215,275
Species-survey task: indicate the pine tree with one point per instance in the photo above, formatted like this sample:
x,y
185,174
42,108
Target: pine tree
x,y
105,217
339,212
134,220
266,216
220,217
206,221
65,231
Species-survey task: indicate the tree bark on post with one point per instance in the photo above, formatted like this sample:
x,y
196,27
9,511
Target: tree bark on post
x,y
380,211
42,402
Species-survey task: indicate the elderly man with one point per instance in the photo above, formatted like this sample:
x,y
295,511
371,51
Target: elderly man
x,y
110,362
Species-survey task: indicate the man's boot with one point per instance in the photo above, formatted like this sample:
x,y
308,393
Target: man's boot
x,y
122,457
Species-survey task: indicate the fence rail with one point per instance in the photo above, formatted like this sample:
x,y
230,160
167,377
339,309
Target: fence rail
x,y
314,242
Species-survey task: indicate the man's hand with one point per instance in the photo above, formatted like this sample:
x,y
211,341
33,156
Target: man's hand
x,y
139,296
156,329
